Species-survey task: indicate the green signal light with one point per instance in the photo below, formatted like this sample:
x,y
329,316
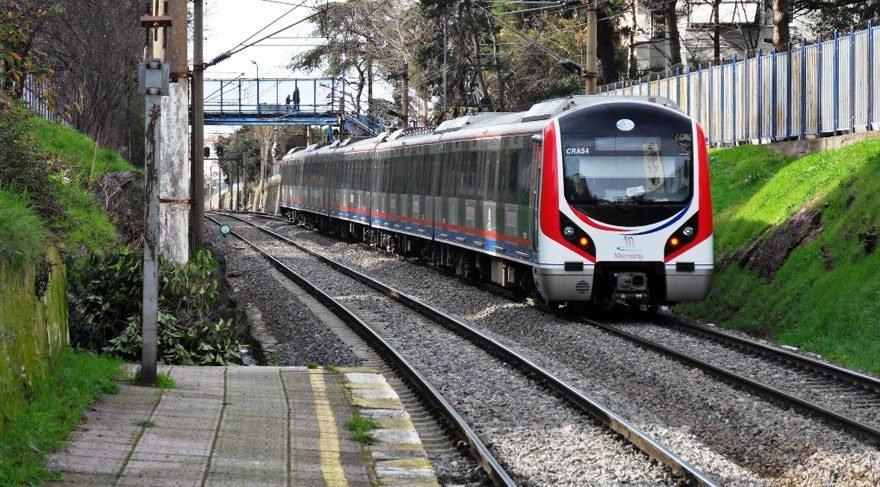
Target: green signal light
x,y
225,230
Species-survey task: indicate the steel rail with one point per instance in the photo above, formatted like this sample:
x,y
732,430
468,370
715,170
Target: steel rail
x,y
863,380
476,446
767,390
610,419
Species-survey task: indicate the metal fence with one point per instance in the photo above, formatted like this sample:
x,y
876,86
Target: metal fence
x,y
35,94
817,90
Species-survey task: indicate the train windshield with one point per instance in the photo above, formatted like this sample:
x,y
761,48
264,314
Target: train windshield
x,y
646,162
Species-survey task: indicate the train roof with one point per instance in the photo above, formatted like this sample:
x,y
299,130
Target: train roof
x,y
479,123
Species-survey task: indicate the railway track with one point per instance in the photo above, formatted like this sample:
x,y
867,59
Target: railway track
x,y
843,397
840,396
345,305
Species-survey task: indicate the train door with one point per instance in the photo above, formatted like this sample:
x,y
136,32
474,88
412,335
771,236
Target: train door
x,y
537,146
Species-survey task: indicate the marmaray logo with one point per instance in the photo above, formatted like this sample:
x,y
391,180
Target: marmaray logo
x,y
629,244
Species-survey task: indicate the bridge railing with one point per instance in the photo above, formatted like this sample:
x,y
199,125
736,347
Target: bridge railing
x,y
813,90
273,96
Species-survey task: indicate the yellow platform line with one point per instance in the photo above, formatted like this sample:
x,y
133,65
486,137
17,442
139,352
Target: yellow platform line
x,y
328,435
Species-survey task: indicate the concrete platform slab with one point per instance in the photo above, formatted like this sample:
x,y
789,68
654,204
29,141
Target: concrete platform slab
x,y
243,426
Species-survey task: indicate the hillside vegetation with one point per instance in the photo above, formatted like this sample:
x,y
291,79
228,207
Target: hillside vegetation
x,y
824,208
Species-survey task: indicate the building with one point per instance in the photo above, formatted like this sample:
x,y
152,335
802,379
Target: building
x,y
743,25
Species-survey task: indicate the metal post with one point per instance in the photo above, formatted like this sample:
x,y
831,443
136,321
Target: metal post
x,y
803,88
733,102
154,84
788,101
836,74
774,96
699,117
747,109
244,175
710,112
852,78
721,101
819,89
759,87
198,130
258,85
871,75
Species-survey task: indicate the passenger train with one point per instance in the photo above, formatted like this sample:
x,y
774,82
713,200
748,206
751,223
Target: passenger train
x,y
585,198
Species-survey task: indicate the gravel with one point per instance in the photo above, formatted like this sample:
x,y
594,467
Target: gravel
x,y
844,398
737,437
302,338
539,438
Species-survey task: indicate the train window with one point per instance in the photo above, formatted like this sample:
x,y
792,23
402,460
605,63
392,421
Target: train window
x,y
635,169
491,175
513,173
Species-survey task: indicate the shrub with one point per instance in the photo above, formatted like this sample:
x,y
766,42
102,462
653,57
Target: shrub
x,y
105,295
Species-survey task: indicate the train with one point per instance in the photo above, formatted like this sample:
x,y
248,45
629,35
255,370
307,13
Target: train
x,y
583,199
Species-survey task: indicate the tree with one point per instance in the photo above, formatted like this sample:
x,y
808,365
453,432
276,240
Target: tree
x,y
94,53
349,29
20,22
781,21
828,15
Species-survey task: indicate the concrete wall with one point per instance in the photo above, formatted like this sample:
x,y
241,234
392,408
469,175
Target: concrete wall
x,y
800,148
255,196
33,329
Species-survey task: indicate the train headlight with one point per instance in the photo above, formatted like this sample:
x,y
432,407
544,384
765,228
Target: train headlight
x,y
683,236
575,236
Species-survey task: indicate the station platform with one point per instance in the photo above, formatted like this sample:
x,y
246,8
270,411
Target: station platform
x,y
246,426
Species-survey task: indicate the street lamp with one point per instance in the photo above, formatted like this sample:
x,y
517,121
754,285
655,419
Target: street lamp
x,y
258,84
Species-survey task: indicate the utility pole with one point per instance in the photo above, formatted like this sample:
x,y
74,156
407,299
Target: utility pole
x,y
198,129
153,75
590,66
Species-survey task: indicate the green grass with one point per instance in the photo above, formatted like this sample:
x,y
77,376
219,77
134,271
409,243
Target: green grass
x,y
40,424
163,380
826,297
24,235
77,151
84,224
363,429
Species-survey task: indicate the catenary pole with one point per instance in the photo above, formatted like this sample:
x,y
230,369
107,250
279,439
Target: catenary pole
x,y
198,129
153,76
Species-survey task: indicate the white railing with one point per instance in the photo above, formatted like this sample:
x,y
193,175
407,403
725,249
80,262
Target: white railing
x,y
816,90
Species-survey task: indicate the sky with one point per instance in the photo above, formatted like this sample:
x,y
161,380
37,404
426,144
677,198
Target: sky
x,y
230,22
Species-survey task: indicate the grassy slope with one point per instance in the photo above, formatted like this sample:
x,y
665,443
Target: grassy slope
x,y
36,421
84,163
828,305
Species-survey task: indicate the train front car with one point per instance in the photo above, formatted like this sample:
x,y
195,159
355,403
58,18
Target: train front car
x,y
625,206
